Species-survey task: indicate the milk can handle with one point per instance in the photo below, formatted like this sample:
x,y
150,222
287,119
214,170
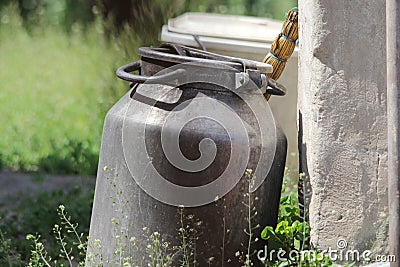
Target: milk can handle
x,y
273,88
124,74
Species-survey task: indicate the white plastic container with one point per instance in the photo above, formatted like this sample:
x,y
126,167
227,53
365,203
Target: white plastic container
x,y
244,37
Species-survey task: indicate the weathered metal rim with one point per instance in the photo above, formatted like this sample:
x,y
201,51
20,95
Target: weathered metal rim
x,y
164,54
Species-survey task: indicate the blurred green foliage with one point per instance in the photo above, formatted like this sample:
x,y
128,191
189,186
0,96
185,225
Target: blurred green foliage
x,y
40,13
142,15
54,91
261,8
74,157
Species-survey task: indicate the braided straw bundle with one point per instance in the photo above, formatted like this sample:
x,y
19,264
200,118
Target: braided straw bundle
x,y
283,46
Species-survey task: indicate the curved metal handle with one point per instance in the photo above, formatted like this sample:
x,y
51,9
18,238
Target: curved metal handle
x,y
124,74
275,88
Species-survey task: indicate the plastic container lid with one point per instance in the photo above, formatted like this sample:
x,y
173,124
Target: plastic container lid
x,y
223,32
226,26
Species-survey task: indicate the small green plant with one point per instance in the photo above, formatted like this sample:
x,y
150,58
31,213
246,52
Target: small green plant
x,y
79,243
70,243
188,233
39,255
245,256
8,255
291,238
158,250
67,238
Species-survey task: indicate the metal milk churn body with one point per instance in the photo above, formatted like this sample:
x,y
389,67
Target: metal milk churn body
x,y
191,163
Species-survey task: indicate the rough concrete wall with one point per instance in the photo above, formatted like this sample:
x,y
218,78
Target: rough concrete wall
x,y
342,120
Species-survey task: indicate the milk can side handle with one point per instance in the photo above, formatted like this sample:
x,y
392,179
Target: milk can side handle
x,y
124,74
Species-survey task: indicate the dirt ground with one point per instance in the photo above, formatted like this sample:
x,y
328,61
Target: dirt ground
x,y
15,184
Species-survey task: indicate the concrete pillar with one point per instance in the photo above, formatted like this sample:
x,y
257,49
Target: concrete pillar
x,y
342,121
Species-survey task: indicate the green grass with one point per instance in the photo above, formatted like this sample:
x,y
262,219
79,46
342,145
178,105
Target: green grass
x,y
36,215
54,91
